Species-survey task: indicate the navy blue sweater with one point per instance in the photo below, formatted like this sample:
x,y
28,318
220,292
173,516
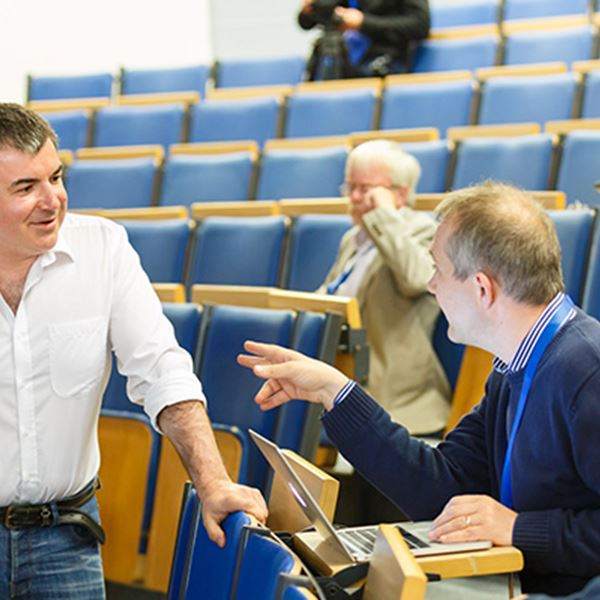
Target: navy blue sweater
x,y
555,462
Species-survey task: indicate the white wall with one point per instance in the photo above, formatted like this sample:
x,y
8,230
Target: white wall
x,y
78,36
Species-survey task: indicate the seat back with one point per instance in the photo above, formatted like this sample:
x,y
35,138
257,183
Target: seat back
x,y
434,158
237,250
452,54
579,167
260,71
591,96
236,119
302,173
174,79
529,9
137,125
523,161
330,113
566,45
313,244
206,177
119,183
454,14
537,99
162,246
591,298
71,126
441,104
70,86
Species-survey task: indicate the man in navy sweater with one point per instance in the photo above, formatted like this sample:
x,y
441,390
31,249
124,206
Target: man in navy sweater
x,y
523,468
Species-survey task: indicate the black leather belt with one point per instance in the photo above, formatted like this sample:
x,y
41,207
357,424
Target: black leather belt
x,y
51,514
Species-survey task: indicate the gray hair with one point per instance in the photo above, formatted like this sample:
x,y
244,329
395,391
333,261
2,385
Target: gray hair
x,y
403,168
504,232
23,129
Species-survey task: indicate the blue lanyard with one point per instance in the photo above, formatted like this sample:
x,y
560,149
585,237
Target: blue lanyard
x,y
333,287
545,338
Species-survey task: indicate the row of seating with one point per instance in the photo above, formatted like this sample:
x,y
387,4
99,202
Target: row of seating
x,y
190,174
532,93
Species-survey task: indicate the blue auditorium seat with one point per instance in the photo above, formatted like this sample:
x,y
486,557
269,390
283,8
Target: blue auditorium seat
x,y
270,558
174,79
192,178
313,244
237,251
312,114
71,126
441,104
564,45
138,125
119,183
530,9
302,173
518,99
70,86
449,354
591,298
467,12
242,119
579,167
260,71
523,161
454,54
591,96
574,230
433,158
162,246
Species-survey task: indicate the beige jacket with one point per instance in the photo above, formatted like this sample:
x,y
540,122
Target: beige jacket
x,y
399,315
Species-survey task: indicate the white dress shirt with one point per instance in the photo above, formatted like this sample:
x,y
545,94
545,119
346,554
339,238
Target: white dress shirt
x,y
86,296
357,265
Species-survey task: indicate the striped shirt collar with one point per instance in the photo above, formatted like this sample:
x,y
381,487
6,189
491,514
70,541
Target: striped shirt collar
x,y
523,353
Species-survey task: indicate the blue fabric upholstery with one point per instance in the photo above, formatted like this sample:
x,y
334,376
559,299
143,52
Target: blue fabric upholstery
x,y
449,353
138,125
442,105
71,126
227,120
537,99
237,251
529,9
312,248
452,54
591,97
230,387
312,114
260,71
566,45
591,298
267,557
206,177
523,161
122,183
70,86
305,173
175,79
580,167
574,230
469,12
162,246
433,158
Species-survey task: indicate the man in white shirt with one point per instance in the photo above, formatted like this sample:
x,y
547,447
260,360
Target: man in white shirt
x,y
71,290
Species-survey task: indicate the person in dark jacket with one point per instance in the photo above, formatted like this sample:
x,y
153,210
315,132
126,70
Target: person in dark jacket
x,y
377,32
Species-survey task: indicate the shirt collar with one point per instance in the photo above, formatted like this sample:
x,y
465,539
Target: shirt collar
x,y
523,353
61,247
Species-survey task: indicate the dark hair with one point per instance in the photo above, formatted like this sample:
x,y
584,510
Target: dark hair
x,y
23,129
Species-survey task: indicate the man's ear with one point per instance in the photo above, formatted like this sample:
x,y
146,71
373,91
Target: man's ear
x,y
487,289
401,197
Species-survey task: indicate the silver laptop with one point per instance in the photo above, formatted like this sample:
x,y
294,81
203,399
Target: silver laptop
x,y
354,543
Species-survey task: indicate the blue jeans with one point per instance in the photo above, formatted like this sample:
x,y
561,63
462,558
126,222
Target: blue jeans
x,y
51,563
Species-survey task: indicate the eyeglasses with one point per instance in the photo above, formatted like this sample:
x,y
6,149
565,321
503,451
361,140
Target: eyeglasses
x,y
347,188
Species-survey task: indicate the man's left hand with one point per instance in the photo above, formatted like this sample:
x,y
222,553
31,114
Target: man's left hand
x,y
224,497
470,518
351,18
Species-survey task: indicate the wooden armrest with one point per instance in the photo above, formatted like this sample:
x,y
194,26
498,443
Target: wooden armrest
x,y
154,151
245,208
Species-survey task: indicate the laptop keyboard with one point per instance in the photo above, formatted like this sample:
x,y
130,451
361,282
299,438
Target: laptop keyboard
x,y
364,539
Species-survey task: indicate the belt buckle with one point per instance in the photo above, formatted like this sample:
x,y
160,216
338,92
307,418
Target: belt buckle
x,y
21,517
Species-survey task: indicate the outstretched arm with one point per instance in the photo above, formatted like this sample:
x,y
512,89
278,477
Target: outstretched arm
x,y
290,375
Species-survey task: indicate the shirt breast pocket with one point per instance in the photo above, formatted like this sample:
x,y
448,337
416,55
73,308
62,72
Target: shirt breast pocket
x,y
77,355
